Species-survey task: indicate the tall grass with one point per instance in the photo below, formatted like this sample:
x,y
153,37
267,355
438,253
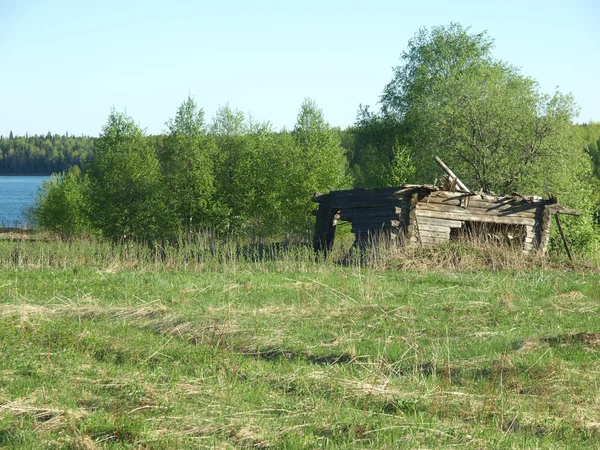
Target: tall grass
x,y
228,344
204,251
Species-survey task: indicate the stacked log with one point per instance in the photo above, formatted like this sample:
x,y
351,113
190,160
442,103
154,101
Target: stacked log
x,y
427,216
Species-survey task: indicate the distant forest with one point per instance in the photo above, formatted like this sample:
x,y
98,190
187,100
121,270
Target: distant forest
x,y
42,155
55,153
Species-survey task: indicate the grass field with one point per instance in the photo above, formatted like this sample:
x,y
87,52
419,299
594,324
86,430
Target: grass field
x,y
99,348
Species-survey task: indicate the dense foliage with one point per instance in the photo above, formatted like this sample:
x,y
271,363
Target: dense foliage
x,y
491,124
234,176
448,97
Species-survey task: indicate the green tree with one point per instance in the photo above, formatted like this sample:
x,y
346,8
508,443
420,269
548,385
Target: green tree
x,y
187,164
60,205
228,129
315,162
252,170
126,192
259,177
492,125
380,157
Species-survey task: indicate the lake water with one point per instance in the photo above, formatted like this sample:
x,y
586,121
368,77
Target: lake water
x,y
16,193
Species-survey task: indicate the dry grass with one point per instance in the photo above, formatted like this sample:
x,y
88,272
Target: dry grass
x,y
202,253
255,355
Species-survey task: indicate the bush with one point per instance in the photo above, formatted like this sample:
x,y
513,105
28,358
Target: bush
x,y
60,205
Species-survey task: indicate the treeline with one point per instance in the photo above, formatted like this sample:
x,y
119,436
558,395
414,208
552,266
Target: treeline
x,y
370,145
231,175
448,97
42,155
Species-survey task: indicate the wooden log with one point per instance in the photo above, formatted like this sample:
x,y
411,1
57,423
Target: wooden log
x,y
370,216
564,238
366,197
473,217
423,231
366,203
434,236
413,226
469,202
435,239
446,169
407,190
543,231
375,226
390,209
559,209
490,198
509,212
427,227
438,222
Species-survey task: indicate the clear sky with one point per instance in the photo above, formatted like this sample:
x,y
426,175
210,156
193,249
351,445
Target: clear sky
x,y
65,63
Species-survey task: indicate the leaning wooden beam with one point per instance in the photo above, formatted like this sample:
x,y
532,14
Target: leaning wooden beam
x,y
564,239
446,169
559,209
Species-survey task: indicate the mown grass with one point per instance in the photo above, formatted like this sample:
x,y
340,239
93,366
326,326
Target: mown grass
x,y
109,347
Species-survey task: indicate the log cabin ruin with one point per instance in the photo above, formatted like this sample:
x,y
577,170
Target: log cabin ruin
x,y
429,215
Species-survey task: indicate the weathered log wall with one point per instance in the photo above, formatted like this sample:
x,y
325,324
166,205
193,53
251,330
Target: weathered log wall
x,y
425,215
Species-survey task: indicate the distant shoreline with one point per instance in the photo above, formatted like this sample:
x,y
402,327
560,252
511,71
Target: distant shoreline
x,y
25,174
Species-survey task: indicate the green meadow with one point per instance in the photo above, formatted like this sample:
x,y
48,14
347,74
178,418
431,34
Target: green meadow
x,y
103,346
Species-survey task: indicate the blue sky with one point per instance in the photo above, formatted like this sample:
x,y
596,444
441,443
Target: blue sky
x,y
64,64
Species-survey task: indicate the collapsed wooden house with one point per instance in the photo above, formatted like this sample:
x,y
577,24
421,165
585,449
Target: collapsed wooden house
x,y
428,215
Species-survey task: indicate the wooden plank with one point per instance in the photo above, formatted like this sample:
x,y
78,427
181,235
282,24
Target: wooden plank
x,y
428,227
465,215
387,209
438,222
510,212
446,169
377,223
413,225
543,231
403,190
431,240
435,234
365,203
559,209
491,198
469,202
370,214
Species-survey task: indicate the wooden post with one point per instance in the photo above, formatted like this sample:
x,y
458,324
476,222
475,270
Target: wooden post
x,y
542,230
564,239
324,229
451,174
413,226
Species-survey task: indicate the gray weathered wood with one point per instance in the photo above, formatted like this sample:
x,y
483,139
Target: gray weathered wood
x,y
509,212
428,227
439,222
433,234
446,169
477,204
487,218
